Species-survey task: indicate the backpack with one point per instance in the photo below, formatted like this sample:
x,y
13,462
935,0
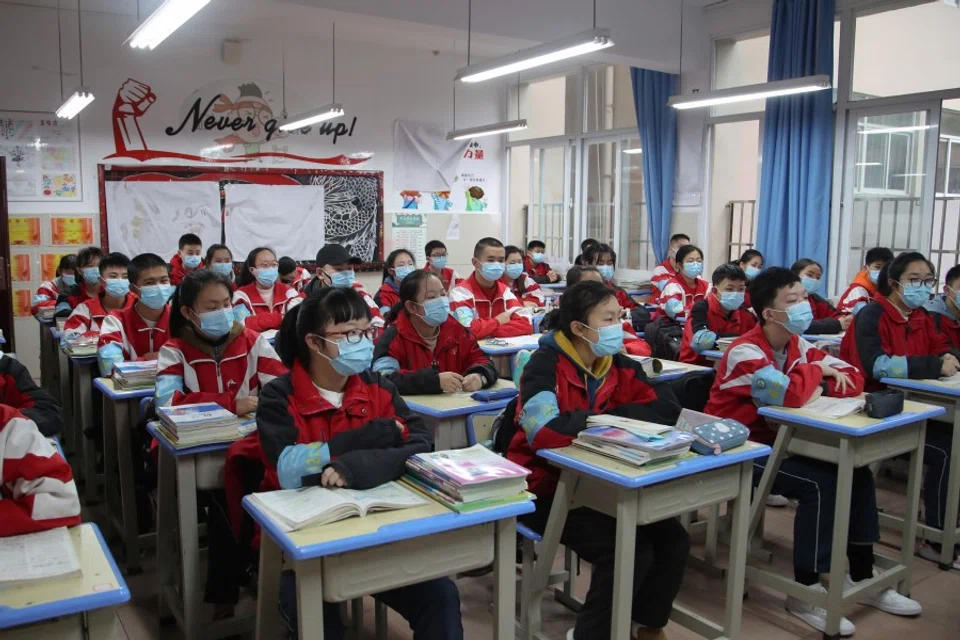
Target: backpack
x,y
639,318
665,337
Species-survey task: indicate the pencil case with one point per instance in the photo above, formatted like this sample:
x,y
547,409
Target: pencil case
x,y
489,395
882,404
716,437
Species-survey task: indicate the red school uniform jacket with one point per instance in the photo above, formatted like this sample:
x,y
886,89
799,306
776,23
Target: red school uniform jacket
x,y
709,314
732,392
406,359
448,276
538,272
677,289
88,316
130,332
476,309
178,271
19,391
300,279
388,295
47,295
557,394
531,289
376,318
825,317
946,322
663,274
858,294
257,314
189,370
361,438
622,297
79,295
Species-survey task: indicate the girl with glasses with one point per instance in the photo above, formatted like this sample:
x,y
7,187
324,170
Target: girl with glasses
x,y
261,300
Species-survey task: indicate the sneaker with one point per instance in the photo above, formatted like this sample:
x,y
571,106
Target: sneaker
x,y
932,553
777,501
570,634
887,600
816,616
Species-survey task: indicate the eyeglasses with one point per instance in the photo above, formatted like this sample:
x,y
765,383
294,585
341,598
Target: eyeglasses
x,y
916,282
354,336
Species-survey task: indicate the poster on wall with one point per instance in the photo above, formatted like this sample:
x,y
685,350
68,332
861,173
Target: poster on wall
x,y
43,157
24,231
289,219
409,231
71,231
49,263
21,302
20,267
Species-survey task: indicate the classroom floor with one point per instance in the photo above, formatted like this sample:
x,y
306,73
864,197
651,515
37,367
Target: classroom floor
x,y
764,616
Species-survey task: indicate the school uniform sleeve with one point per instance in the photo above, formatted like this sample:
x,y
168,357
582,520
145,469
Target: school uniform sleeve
x,y
538,411
878,363
476,361
624,299
264,321
112,346
390,359
854,300
269,367
814,356
748,375
520,323
46,296
77,324
636,398
19,391
463,307
532,292
37,491
660,278
671,300
172,390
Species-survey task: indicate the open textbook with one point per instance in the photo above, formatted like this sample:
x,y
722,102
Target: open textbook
x,y
36,556
833,408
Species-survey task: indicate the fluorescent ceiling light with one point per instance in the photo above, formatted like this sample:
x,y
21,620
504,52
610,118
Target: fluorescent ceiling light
x,y
751,92
487,130
632,151
307,118
918,127
869,164
569,47
82,96
169,17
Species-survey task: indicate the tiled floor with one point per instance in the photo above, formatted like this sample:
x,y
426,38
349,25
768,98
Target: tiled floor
x,y
764,616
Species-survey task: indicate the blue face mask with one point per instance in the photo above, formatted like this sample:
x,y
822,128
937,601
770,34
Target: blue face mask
x,y
606,271
267,276
91,275
224,269
156,295
342,279
538,257
353,358
731,300
799,317
610,340
439,262
216,324
402,272
956,296
915,295
117,287
436,311
191,262
514,271
692,269
874,275
69,280
752,272
812,285
492,271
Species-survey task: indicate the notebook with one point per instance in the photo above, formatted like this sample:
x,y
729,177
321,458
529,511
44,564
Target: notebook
x,y
38,556
833,408
953,381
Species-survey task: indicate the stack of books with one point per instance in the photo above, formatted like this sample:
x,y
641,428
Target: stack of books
x,y
633,442
133,376
724,343
46,313
194,425
83,346
467,479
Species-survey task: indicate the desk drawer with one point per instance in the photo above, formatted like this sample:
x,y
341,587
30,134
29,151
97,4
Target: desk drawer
x,y
398,564
683,495
210,470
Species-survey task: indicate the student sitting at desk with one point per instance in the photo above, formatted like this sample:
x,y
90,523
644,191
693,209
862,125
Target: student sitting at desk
x,y
687,287
667,270
721,315
292,274
521,284
220,261
261,300
586,244
578,371
893,337
751,261
114,295
424,349
398,265
50,290
20,392
534,263
772,365
437,259
861,290
37,491
483,303
335,268
331,422
188,258
945,309
88,285
826,319
138,331
604,258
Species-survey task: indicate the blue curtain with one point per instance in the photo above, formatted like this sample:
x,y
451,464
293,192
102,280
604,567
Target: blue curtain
x,y
797,138
658,138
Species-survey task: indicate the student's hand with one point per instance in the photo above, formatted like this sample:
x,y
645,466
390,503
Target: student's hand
x,y
553,275
472,382
504,317
949,366
247,405
451,382
150,356
815,395
842,379
331,478
952,358
845,322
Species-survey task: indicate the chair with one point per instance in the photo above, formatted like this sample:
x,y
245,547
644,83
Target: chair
x,y
480,427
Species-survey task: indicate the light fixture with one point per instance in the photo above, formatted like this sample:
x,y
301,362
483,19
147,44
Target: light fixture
x,y
168,17
916,127
773,89
633,151
487,130
328,112
82,96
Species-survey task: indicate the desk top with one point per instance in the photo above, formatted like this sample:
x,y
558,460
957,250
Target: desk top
x,y
826,337
378,528
449,405
857,424
513,345
99,586
624,475
928,386
189,451
110,391
554,285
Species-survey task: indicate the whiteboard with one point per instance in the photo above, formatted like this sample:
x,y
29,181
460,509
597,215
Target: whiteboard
x,y
150,217
288,219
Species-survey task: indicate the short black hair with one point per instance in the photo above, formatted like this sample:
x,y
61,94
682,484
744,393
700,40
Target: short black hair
x,y
878,254
68,261
88,255
588,243
686,250
578,300
764,288
322,307
141,263
802,264
483,243
392,258
433,245
186,294
511,249
749,255
286,265
894,269
114,259
575,273
952,275
595,251
728,271
536,244
679,236
212,250
245,276
190,239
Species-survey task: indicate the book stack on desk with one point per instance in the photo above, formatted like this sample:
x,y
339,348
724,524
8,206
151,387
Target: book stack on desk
x,y
467,479
46,313
194,425
724,343
133,376
632,442
83,346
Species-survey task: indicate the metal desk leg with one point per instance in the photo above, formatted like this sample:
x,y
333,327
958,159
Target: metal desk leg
x,y
166,537
268,591
101,623
953,495
83,418
547,550
841,528
310,599
739,549
623,564
125,410
189,545
710,551
504,586
912,508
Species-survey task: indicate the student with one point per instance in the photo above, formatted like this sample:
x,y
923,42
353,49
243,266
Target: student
x,y
63,283
137,331
586,244
425,350
114,295
720,315
211,357
945,309
826,319
187,259
292,274
261,300
534,263
861,290
687,287
893,337
521,284
220,261
578,371
19,391
483,303
398,265
37,491
88,284
772,365
335,268
332,422
752,263
604,258
437,258
667,269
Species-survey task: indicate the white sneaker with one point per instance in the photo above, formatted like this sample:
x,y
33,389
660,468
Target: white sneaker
x,y
777,501
570,634
816,616
887,600
927,552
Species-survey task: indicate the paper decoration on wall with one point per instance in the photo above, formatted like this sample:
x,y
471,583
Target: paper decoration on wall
x,y
24,231
20,267
71,231
288,219
21,303
48,265
43,157
151,216
410,233
453,229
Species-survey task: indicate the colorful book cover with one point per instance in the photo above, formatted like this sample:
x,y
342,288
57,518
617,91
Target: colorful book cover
x,y
471,466
613,435
194,413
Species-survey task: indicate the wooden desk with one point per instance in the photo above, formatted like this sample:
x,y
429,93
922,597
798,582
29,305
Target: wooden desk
x,y
83,369
447,413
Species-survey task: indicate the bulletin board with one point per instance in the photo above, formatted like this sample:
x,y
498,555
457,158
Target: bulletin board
x,y
411,230
352,207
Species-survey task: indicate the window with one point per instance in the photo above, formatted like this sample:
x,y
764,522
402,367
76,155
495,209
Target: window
x,y
740,62
887,155
609,99
948,166
634,249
